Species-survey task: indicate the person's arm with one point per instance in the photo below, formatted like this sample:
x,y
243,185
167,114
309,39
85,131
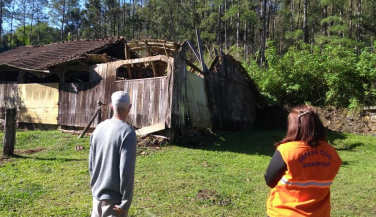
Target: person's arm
x,y
276,169
127,168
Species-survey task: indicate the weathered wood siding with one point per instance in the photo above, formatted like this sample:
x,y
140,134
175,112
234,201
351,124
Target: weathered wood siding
x,y
198,108
188,94
78,102
8,97
178,90
149,100
38,103
231,100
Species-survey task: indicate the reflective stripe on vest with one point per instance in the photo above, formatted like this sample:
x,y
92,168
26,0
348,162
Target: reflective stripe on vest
x,y
307,184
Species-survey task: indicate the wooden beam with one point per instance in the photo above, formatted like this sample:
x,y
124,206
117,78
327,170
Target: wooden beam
x,y
90,122
153,48
203,65
152,63
194,50
165,49
193,67
128,57
143,60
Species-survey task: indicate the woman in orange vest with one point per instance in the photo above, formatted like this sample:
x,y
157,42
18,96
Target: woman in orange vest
x,y
302,168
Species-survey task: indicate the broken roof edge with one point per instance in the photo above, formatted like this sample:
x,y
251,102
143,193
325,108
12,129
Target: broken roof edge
x,y
26,69
244,72
109,39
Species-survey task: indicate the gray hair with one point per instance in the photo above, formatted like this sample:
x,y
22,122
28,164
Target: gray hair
x,y
120,101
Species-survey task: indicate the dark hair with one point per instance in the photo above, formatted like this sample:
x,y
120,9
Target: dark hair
x,y
303,124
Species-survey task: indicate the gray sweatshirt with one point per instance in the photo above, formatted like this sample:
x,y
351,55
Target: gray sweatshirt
x,y
112,162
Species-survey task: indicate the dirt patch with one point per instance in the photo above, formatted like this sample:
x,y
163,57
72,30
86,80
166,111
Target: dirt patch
x,y
29,151
4,160
212,197
198,137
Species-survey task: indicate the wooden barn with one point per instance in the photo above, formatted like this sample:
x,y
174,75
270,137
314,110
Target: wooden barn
x,y
61,84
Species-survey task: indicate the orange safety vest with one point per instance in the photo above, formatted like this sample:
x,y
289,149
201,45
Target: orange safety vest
x,y
304,187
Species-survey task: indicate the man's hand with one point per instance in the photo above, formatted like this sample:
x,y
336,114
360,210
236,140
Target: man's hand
x,y
119,210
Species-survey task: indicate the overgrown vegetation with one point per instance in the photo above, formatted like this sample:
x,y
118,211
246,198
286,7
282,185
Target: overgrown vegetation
x,y
319,75
224,179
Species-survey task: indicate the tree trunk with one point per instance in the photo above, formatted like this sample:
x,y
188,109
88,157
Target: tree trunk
x,y
292,15
268,22
226,30
305,27
24,21
359,20
219,24
263,39
237,27
11,26
62,22
10,132
133,7
350,19
245,40
1,17
298,24
325,16
31,21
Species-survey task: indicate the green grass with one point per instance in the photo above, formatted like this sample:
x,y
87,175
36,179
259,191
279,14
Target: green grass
x,y
224,179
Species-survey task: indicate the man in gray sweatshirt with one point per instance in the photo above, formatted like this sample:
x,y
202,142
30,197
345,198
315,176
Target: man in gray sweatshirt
x,y
112,161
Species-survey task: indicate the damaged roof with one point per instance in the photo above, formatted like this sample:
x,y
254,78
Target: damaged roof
x,y
42,57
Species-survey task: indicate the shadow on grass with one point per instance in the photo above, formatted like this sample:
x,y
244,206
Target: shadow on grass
x,y
258,142
333,136
350,147
345,163
48,159
252,142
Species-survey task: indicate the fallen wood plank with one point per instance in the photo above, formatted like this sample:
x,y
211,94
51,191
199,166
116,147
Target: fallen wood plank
x,y
151,129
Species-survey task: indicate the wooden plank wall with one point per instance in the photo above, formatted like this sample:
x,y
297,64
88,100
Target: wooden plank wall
x,y
198,108
178,89
78,102
8,97
231,100
38,103
149,100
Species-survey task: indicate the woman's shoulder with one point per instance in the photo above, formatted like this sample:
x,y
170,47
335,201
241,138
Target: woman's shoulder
x,y
288,145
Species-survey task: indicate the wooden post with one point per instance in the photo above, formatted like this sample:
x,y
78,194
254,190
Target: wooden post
x,y
10,132
91,120
99,117
152,63
128,57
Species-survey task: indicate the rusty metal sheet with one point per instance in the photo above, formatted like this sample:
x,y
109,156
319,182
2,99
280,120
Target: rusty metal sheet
x,y
38,103
197,102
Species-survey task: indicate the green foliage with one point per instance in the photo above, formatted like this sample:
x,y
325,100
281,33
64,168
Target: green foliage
x,y
328,75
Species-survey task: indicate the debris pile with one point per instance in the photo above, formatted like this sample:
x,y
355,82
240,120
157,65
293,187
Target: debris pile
x,y
151,141
196,137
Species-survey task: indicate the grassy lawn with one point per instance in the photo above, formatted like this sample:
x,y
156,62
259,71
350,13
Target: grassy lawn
x,y
224,179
